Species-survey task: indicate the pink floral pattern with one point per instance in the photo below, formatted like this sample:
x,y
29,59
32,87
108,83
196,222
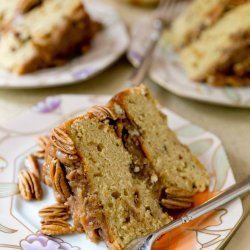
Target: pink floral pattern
x,y
40,241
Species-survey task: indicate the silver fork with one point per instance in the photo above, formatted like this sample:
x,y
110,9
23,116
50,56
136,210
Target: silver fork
x,y
145,243
166,11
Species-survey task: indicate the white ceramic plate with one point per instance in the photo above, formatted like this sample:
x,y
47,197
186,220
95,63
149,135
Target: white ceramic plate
x,y
168,73
108,45
19,220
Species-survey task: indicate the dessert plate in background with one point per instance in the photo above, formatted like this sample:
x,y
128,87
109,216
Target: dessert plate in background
x,y
108,45
166,71
19,220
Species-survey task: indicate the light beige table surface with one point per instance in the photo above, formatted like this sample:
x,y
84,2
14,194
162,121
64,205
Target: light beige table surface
x,y
232,125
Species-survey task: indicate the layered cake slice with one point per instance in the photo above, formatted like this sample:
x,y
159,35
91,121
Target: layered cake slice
x,y
119,160
49,34
221,50
199,16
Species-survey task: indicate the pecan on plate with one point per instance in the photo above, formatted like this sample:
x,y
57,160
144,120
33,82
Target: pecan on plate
x,y
56,227
29,185
56,211
177,198
58,180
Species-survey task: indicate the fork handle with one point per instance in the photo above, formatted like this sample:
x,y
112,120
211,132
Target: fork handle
x,y
229,194
219,200
140,72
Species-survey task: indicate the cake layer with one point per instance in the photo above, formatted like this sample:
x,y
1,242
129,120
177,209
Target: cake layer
x,y
217,46
30,44
171,162
199,16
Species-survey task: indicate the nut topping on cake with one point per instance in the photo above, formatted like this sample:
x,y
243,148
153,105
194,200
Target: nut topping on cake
x,y
102,112
58,180
29,186
62,141
176,198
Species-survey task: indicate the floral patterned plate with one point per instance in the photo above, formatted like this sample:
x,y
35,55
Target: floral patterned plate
x,y
19,220
168,73
107,47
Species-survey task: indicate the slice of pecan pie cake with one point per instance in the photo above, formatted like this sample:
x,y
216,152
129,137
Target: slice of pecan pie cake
x,y
123,168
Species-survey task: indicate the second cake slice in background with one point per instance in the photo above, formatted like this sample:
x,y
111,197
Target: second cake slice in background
x,y
47,35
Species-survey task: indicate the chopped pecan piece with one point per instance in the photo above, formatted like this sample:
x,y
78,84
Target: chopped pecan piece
x,y
58,180
29,186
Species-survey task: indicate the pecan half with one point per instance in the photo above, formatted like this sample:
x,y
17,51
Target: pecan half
x,y
102,112
29,186
176,198
58,180
56,227
62,141
33,165
57,211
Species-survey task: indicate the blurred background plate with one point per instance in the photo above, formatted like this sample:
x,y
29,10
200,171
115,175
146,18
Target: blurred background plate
x,y
166,71
108,45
